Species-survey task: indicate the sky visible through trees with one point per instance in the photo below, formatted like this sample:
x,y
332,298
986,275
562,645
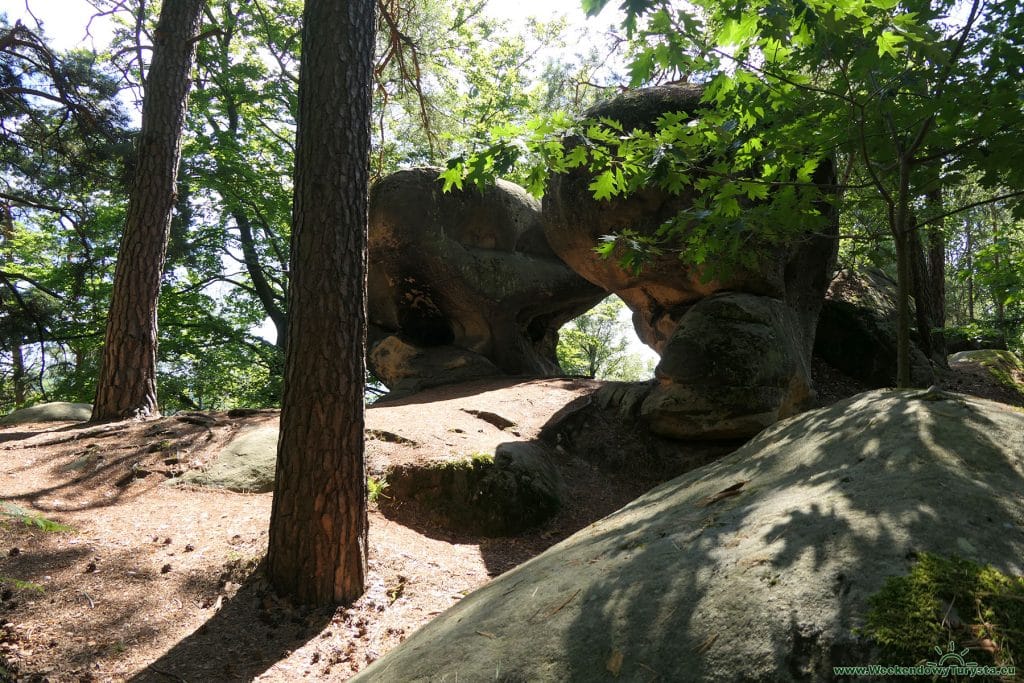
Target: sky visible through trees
x,y
70,23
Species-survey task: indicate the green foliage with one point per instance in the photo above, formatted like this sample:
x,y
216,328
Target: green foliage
x,y
19,585
596,345
949,599
904,97
375,488
32,520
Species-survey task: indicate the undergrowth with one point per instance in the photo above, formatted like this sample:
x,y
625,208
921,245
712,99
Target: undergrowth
x,y
12,511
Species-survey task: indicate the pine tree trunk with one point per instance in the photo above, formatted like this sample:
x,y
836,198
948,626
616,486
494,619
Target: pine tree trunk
x,y
127,381
318,524
18,376
900,220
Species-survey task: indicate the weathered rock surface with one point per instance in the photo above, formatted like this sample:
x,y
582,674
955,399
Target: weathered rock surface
x,y
857,330
734,365
58,411
245,465
466,283
1005,367
466,458
602,429
517,488
667,298
757,567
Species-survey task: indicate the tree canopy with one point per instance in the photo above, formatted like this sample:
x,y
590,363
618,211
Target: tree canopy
x,y
916,106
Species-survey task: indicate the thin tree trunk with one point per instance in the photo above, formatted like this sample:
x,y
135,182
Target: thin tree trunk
x,y
18,376
318,524
970,273
261,285
17,358
937,282
127,381
900,223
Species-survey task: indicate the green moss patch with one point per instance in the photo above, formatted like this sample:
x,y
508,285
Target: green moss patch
x,y
946,600
493,495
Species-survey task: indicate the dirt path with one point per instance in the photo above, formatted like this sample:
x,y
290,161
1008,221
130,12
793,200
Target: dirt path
x,y
153,582
157,583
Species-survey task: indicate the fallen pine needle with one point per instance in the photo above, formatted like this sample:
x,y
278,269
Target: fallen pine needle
x,y
706,644
568,600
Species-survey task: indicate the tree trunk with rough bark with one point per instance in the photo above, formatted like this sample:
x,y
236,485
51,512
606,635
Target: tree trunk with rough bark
x,y
318,523
127,381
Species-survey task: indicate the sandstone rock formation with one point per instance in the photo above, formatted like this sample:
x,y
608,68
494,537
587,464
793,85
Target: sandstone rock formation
x,y
758,567
463,284
246,465
735,352
57,411
857,330
1005,367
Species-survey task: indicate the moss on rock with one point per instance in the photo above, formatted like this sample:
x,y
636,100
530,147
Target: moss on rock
x,y
1005,366
950,600
494,495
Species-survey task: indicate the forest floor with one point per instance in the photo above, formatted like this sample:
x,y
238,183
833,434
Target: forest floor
x,y
149,582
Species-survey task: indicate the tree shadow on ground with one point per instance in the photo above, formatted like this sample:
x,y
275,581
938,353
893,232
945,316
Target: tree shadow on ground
x,y
104,618
97,473
248,635
472,388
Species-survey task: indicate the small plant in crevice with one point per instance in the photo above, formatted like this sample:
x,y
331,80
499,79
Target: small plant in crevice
x,y
375,488
18,585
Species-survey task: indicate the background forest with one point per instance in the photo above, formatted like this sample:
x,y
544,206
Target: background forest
x,y
450,80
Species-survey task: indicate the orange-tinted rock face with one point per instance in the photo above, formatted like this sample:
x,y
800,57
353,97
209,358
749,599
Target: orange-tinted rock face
x,y
735,393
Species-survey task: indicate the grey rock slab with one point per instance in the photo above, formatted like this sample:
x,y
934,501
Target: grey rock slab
x,y
245,465
59,411
757,567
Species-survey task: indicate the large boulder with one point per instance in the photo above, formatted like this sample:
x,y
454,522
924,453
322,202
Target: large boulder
x,y
58,411
857,330
1004,367
246,465
463,284
761,566
666,297
734,364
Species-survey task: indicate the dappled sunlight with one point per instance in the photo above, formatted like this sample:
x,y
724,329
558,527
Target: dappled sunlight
x,y
786,538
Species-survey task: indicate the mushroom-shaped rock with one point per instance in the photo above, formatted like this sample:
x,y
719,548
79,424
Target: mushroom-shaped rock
x,y
788,280
463,284
734,365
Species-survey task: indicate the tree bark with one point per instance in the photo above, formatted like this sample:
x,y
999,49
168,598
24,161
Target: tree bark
x,y
928,270
900,219
937,282
127,381
970,272
318,523
18,376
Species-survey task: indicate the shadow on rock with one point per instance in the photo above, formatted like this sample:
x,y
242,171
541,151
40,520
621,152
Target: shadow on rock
x,y
757,567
